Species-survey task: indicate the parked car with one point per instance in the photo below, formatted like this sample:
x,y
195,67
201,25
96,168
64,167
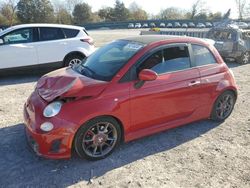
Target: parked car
x,y
145,25
208,24
137,25
241,25
169,25
184,25
232,43
162,25
177,25
125,90
152,24
131,25
200,25
156,29
191,25
43,45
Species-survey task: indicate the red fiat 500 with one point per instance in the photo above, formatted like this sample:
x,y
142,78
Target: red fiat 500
x,y
125,90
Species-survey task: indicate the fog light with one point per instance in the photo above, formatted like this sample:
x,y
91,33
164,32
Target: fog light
x,y
46,126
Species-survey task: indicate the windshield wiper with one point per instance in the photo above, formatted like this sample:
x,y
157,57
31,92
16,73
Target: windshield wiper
x,y
89,69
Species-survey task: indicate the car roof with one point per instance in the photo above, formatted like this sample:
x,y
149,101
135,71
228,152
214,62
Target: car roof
x,y
41,25
47,25
149,39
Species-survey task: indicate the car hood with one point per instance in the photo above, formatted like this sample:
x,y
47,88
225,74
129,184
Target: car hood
x,y
66,83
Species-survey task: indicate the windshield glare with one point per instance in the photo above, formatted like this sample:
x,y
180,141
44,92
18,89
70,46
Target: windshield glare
x,y
104,63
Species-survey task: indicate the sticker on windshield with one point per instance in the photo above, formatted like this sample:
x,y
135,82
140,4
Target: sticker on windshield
x,y
133,46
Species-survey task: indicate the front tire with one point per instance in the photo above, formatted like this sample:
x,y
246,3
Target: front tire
x,y
223,106
97,138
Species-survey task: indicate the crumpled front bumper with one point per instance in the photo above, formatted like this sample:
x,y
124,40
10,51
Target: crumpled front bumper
x,y
55,144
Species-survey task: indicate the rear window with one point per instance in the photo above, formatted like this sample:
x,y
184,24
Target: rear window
x,y
49,33
222,35
70,33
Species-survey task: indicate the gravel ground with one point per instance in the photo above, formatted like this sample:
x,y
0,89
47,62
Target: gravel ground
x,y
201,154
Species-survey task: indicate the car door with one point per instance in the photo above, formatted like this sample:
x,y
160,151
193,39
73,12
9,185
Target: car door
x,y
172,96
51,46
18,49
211,73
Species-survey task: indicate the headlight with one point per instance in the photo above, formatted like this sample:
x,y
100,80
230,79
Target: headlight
x,y
52,109
47,126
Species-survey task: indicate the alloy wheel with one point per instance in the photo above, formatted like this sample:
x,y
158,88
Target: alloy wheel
x,y
224,106
74,62
245,58
99,139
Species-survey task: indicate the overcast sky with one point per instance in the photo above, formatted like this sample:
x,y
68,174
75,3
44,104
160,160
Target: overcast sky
x,y
154,6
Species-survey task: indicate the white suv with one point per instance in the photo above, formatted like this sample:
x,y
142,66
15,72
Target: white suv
x,y
43,45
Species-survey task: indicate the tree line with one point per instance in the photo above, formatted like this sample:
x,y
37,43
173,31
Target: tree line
x,y
78,12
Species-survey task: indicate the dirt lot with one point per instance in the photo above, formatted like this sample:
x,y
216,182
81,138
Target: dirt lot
x,y
201,154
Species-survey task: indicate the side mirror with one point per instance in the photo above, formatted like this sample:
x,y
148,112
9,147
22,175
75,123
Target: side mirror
x,y
1,41
147,75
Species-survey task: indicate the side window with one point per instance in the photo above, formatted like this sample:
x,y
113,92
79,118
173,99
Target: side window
x,y
50,33
202,56
167,60
70,33
19,36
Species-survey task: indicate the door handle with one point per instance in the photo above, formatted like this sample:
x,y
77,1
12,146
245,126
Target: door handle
x,y
194,83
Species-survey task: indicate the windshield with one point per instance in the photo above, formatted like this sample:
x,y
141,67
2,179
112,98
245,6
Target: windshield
x,y
104,63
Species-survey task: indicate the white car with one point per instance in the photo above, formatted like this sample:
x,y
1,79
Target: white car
x,y
200,25
43,45
162,25
137,25
131,25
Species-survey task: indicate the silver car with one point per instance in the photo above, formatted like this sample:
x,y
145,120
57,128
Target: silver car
x,y
232,43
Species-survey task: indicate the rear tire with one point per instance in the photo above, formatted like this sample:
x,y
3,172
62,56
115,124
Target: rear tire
x,y
97,138
244,59
73,60
223,106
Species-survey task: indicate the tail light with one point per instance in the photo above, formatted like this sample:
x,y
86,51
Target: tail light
x,y
88,40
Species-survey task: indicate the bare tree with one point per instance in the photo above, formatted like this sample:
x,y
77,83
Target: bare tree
x,y
72,3
243,8
240,7
8,10
197,8
66,4
62,13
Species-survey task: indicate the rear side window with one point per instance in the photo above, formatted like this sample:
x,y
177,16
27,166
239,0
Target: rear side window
x,y
49,33
168,60
70,33
202,56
